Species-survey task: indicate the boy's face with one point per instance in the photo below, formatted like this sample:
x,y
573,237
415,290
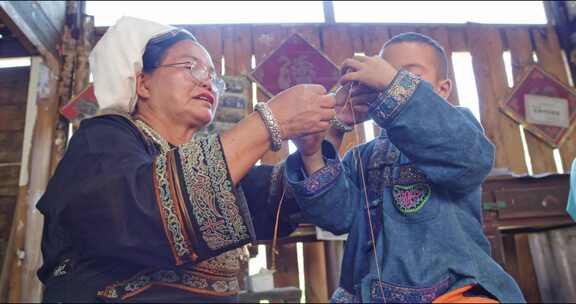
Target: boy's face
x,y
420,59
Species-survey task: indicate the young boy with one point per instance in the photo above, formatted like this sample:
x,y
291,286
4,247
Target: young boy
x,y
410,199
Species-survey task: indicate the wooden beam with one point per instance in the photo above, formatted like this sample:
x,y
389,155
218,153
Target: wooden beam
x,y
36,24
12,48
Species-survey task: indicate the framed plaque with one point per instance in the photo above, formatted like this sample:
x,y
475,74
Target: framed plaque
x,y
545,106
294,62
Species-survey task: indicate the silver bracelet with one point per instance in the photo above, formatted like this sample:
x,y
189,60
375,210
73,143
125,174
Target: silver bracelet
x,y
271,124
340,126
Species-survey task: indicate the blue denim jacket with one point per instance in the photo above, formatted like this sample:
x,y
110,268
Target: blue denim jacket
x,y
423,177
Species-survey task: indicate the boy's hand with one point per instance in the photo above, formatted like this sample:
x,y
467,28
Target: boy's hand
x,y
372,71
361,97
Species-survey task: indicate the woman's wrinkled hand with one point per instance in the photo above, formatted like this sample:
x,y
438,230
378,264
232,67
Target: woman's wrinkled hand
x,y
303,109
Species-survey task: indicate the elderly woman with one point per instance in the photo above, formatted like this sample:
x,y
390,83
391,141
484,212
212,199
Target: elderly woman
x,y
141,209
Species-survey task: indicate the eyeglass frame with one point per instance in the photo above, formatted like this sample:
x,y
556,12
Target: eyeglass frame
x,y
217,82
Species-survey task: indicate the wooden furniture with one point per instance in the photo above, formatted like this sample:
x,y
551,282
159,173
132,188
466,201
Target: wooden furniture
x,y
514,210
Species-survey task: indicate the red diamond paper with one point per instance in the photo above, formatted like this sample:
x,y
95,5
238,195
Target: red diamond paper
x,y
295,62
82,106
538,82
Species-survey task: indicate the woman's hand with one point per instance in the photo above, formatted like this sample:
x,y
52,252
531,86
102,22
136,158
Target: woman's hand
x,y
303,109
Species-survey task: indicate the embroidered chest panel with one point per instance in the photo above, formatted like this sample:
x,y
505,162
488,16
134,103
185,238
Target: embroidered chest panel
x,y
410,186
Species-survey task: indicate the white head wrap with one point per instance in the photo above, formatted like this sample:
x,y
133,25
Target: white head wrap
x,y
117,59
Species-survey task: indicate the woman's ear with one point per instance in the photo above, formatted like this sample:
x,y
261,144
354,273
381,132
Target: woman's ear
x,y
142,86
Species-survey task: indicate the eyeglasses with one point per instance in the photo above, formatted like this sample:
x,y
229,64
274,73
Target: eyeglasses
x,y
200,72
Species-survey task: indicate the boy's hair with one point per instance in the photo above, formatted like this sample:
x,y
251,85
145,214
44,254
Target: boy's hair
x,y
420,38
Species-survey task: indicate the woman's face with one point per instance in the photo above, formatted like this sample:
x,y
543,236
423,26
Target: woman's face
x,y
174,93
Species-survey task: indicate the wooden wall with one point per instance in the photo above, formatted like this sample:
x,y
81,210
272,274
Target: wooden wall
x,y
234,46
13,94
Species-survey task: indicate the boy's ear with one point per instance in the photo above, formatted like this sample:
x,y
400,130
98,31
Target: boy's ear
x,y
444,88
142,86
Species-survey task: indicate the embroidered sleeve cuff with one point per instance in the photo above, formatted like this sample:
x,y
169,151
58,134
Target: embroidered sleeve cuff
x,y
321,179
199,208
392,100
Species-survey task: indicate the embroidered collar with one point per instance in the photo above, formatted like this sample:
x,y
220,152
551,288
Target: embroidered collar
x,y
153,135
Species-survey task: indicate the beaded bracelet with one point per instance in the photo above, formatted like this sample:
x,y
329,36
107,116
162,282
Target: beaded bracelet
x,y
271,124
340,125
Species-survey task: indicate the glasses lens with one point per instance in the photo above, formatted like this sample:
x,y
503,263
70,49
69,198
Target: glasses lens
x,y
219,85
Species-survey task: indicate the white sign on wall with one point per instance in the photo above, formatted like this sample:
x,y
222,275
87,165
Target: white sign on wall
x,y
548,111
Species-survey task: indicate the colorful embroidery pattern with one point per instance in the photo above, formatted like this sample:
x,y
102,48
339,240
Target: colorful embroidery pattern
x,y
173,225
411,198
395,97
340,295
398,294
188,280
320,179
210,192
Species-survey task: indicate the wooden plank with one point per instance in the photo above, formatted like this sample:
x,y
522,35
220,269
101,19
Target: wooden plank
x,y
266,39
316,281
13,85
374,37
37,25
486,50
440,34
286,273
526,276
458,39
357,41
541,154
9,174
12,118
211,38
338,45
11,146
309,32
8,190
11,262
399,29
550,59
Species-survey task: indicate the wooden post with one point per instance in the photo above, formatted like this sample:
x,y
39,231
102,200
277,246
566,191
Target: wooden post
x,y
24,285
486,50
315,273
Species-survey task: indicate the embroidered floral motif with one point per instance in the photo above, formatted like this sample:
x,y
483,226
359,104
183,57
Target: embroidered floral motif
x,y
189,280
395,97
226,264
398,294
321,179
211,194
173,225
411,198
340,295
